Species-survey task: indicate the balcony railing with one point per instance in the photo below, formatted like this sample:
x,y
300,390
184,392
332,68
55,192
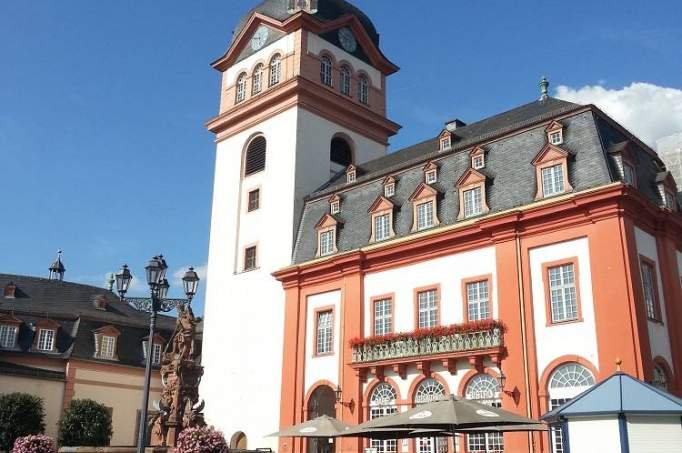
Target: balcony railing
x,y
444,344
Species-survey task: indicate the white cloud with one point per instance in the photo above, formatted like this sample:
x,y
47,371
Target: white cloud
x,y
200,270
649,111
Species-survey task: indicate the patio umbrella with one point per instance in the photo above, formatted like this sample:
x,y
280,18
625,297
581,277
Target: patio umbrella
x,y
392,433
323,426
454,415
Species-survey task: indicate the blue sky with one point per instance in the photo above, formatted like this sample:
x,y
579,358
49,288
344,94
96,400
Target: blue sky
x,y
103,150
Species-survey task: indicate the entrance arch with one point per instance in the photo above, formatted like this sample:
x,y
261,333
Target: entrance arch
x,y
321,402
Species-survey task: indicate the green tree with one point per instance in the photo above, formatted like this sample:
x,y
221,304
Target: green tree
x,y
21,414
85,423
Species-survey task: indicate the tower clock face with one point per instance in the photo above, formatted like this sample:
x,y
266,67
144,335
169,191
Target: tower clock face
x,y
259,38
348,40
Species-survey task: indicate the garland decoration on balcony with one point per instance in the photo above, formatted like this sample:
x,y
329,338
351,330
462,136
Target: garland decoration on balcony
x,y
431,332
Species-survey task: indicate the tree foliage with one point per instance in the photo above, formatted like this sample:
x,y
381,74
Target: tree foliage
x,y
85,423
21,414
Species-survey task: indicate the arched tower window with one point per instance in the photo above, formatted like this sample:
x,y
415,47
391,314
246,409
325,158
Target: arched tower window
x,y
345,80
565,383
241,89
660,380
363,89
340,155
257,79
326,71
255,156
275,69
382,402
486,390
430,390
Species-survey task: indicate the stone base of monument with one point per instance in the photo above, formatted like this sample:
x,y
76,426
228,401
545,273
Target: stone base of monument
x,y
114,450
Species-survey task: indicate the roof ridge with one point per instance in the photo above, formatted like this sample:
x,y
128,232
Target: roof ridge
x,y
61,282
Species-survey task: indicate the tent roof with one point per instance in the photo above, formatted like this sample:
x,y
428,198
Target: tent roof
x,y
619,394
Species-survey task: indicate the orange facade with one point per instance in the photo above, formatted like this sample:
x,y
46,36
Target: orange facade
x,y
606,216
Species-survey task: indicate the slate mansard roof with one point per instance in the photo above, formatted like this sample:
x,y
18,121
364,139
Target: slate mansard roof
x,y
72,306
511,141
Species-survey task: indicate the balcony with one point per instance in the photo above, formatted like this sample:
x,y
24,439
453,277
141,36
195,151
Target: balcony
x,y
446,344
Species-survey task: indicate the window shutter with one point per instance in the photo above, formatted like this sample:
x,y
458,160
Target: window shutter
x,y
255,156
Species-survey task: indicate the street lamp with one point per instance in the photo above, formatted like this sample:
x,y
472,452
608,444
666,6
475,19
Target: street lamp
x,y
155,271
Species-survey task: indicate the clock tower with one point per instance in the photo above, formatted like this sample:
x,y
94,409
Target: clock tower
x,y
302,97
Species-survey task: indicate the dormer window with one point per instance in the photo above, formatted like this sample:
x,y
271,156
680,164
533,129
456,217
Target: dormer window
x,y
430,173
8,336
667,189
351,174
382,219
669,200
555,133
45,340
106,339
326,235
334,205
551,172
9,292
628,174
108,347
389,186
445,143
472,194
424,207
477,158
552,180
424,215
157,349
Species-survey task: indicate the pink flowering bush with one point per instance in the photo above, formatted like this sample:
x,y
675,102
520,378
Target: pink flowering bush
x,y
34,444
201,440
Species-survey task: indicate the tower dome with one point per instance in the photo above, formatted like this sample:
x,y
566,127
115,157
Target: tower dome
x,y
323,10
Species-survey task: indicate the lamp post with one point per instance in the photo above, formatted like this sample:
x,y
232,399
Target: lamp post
x,y
155,271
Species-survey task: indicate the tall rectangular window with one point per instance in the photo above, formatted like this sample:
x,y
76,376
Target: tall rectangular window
x,y
649,283
108,347
156,354
628,174
556,138
478,300
8,336
427,308
46,340
425,215
562,293
553,180
382,227
326,242
325,332
383,317
250,258
254,200
472,202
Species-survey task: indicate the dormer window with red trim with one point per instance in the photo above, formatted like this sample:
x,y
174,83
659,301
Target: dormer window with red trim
x,y
389,186
555,133
624,158
445,140
477,158
667,189
106,339
351,174
157,349
326,235
551,172
424,208
431,173
382,220
45,335
334,204
8,336
472,195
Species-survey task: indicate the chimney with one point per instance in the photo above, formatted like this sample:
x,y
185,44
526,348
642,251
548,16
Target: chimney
x,y
455,124
10,291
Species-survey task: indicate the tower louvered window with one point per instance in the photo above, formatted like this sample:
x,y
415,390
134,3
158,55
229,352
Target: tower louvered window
x,y
255,156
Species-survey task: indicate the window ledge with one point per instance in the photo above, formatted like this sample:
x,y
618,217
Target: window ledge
x,y
247,271
563,323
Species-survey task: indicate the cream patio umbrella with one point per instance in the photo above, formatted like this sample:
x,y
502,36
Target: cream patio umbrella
x,y
324,426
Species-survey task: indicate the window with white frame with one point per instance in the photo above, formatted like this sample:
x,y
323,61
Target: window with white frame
x,y
363,90
345,80
327,241
156,354
8,336
431,176
383,317
553,180
445,143
562,293
351,176
382,227
250,258
382,403
257,79
326,71
241,89
325,331
556,137
335,207
660,379
427,308
107,347
430,390
254,200
46,340
389,190
275,70
484,389
478,300
478,162
566,382
473,205
425,215
649,284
